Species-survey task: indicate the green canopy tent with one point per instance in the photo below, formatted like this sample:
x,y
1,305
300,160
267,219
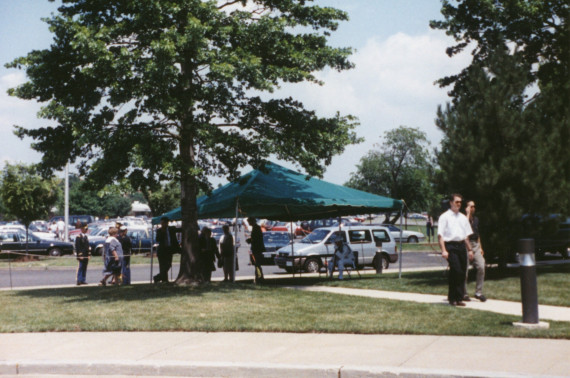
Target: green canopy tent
x,y
275,192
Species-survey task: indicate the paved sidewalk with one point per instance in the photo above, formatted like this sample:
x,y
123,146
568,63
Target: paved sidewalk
x,y
503,307
198,354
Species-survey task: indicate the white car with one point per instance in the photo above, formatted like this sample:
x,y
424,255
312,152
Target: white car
x,y
416,216
38,234
407,235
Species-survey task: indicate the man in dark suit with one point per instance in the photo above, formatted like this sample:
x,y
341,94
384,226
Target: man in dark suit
x,y
83,252
167,246
257,248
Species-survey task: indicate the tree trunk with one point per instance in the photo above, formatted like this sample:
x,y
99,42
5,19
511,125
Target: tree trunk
x,y
188,262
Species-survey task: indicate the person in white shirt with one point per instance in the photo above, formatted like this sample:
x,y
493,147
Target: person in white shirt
x,y
61,229
453,235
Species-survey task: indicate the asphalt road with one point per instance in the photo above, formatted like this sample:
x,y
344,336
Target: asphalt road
x,y
27,277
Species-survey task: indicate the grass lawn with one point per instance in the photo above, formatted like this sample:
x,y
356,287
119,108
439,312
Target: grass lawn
x,y
243,307
553,282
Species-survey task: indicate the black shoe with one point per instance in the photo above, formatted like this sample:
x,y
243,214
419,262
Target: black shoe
x,y
481,297
156,280
466,298
461,304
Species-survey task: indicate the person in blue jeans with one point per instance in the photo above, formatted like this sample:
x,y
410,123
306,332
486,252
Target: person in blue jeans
x,y
83,252
342,255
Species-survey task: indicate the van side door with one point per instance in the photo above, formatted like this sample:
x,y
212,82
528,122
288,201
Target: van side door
x,y
361,242
382,237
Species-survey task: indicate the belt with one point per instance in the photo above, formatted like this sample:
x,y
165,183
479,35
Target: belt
x,y
455,242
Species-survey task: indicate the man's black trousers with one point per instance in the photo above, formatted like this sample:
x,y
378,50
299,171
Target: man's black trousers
x,y
164,265
457,265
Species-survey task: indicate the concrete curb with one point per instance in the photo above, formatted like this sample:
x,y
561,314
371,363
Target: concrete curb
x,y
223,369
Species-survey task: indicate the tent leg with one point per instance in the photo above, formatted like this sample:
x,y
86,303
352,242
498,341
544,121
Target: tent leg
x,y
151,251
401,254
235,241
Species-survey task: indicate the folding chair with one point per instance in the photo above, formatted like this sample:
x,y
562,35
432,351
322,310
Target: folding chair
x,y
351,265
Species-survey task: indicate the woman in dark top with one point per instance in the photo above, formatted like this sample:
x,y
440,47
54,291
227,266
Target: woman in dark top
x,y
227,253
208,254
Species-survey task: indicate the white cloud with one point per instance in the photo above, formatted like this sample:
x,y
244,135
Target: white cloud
x,y
391,85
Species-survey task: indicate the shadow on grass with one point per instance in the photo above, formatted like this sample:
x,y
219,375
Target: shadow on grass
x,y
139,292
142,292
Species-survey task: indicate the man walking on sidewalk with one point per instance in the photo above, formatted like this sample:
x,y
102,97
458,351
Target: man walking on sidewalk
x,y
453,232
478,259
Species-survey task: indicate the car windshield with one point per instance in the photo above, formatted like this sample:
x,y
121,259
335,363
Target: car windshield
x,y
316,236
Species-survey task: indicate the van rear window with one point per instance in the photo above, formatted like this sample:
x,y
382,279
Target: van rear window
x,y
381,236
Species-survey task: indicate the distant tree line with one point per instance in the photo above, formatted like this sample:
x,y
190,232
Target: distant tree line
x,y
24,196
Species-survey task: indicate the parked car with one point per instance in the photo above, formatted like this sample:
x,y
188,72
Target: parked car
x,y
306,227
416,216
15,240
73,219
140,237
312,252
31,230
217,233
273,241
289,227
407,235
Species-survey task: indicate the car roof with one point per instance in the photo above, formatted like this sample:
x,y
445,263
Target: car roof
x,y
363,227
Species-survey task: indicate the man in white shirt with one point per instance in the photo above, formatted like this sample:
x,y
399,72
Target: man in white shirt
x,y
453,235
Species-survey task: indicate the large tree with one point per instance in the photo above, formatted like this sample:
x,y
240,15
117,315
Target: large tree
x,y
536,31
507,155
508,124
399,168
27,195
156,90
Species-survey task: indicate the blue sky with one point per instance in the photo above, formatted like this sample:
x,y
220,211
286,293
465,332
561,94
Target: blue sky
x,y
397,57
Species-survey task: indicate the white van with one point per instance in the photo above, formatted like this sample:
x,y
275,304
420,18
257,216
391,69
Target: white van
x,y
312,251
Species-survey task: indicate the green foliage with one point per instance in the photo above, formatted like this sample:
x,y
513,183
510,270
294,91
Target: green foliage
x,y
164,199
26,195
194,69
505,150
502,153
536,30
153,91
111,202
399,168
3,210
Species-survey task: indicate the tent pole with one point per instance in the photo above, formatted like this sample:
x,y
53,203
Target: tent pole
x,y
235,241
151,250
292,242
400,270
